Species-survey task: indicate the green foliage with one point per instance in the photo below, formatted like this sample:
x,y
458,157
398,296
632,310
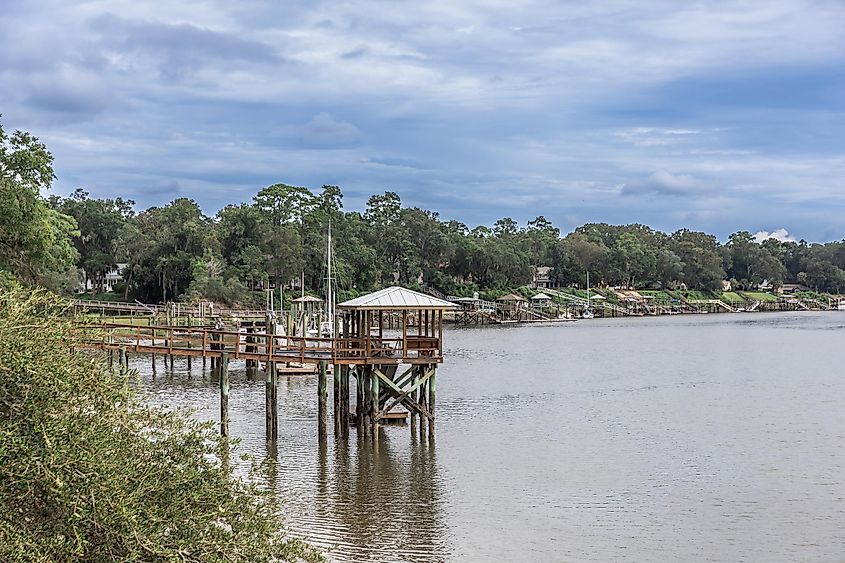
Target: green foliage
x,y
760,296
732,298
282,236
100,222
35,240
89,473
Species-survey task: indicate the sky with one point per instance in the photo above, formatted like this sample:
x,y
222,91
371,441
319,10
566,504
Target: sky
x,y
715,116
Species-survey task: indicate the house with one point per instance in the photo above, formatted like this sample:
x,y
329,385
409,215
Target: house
x,y
542,277
793,287
111,278
726,285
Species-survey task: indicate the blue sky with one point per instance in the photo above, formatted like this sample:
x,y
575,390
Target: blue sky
x,y
717,116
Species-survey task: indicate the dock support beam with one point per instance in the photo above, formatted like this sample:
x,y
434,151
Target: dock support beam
x,y
322,395
271,403
359,398
336,396
431,402
374,401
124,361
224,395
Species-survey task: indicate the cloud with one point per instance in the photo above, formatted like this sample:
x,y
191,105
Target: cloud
x,y
175,49
719,117
781,235
325,131
666,183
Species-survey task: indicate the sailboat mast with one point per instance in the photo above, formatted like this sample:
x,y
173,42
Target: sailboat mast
x,y
329,294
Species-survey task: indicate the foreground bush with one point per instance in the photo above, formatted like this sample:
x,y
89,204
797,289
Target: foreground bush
x,y
89,473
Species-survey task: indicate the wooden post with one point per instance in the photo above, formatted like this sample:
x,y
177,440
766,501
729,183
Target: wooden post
x,y
322,396
411,414
374,402
124,361
431,400
421,393
336,395
359,397
224,395
189,356
153,362
344,398
268,399
275,403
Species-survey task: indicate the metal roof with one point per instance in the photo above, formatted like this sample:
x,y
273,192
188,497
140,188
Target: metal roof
x,y
396,298
541,297
511,297
308,299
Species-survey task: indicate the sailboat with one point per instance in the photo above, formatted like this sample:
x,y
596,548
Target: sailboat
x,y
588,310
327,326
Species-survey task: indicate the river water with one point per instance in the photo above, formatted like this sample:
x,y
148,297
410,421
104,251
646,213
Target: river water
x,y
687,438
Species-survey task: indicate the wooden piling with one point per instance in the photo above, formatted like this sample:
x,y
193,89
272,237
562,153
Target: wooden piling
x,y
268,399
224,395
124,361
431,400
343,398
274,387
359,397
153,362
374,401
322,395
336,395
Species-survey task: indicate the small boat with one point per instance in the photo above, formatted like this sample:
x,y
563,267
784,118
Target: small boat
x,y
588,310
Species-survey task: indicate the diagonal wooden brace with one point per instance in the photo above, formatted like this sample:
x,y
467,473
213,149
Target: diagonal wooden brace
x,y
404,396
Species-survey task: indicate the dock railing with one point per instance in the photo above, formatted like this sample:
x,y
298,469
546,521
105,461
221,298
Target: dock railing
x,y
203,342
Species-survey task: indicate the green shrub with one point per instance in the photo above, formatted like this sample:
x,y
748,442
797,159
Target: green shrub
x,y
90,473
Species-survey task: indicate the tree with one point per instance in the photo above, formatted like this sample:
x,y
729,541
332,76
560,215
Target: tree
x,y
35,240
100,222
752,263
284,204
172,239
89,472
700,255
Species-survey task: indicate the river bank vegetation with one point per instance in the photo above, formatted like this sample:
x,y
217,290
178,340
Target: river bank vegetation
x,y
88,472
177,252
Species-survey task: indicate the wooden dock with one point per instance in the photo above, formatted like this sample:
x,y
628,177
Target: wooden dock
x,y
361,349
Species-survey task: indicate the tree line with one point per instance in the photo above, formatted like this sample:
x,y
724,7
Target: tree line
x,y
176,252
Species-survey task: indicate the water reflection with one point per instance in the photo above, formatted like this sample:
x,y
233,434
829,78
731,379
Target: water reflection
x,y
713,437
380,497
359,498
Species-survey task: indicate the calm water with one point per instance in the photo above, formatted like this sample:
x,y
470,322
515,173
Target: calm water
x,y
695,438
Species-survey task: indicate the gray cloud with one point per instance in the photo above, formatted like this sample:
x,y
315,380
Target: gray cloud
x,y
177,49
561,106
325,131
663,182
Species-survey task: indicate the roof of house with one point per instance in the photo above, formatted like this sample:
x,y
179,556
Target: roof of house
x,y
396,298
541,297
511,297
308,299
